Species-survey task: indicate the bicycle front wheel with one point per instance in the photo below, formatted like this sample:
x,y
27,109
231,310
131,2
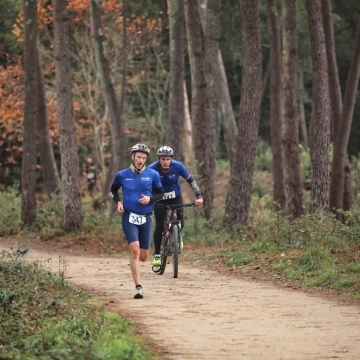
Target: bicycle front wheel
x,y
164,254
174,239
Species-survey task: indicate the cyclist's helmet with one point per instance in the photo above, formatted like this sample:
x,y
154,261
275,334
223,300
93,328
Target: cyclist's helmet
x,y
165,151
140,148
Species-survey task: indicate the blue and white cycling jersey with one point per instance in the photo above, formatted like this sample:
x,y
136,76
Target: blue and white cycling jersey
x,y
134,185
170,180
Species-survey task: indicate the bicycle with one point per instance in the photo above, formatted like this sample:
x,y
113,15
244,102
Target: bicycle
x,y
171,238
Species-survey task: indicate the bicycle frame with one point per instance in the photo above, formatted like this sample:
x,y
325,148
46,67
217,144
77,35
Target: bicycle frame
x,y
171,237
169,223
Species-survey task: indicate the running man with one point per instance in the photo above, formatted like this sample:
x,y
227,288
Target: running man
x,y
170,170
140,187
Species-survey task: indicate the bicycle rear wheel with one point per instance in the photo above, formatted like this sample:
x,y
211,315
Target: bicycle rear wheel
x,y
164,254
174,239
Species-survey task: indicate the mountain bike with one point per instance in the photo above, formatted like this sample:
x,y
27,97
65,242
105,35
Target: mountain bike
x,y
171,238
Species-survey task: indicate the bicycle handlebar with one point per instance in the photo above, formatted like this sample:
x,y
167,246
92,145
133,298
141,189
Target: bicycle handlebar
x,y
174,206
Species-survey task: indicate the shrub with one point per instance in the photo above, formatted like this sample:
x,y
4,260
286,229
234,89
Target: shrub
x,y
10,213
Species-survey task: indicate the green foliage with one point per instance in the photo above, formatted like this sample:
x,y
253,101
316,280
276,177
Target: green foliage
x,y
315,250
263,244
305,167
10,208
49,218
232,259
263,160
262,186
49,215
44,318
10,47
238,259
355,174
313,259
325,249
313,228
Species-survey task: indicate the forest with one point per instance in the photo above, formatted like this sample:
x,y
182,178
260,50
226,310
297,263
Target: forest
x,y
259,99
257,85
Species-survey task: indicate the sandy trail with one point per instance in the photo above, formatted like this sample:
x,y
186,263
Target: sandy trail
x,y
207,315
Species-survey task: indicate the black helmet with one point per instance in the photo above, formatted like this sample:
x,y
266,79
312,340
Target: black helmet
x,y
165,151
140,148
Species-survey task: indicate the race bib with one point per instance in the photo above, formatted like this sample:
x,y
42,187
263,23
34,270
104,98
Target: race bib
x,y
137,219
90,176
169,195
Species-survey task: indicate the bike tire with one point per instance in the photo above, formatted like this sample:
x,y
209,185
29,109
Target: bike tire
x,y
174,238
164,252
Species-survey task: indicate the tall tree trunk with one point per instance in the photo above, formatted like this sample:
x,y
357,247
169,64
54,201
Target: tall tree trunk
x,y
276,113
176,93
292,174
47,158
212,37
65,110
223,95
28,169
340,161
303,135
336,116
115,112
203,119
187,138
334,83
238,196
320,137
226,110
336,201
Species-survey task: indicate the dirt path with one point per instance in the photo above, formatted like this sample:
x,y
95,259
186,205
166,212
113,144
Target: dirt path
x,y
206,315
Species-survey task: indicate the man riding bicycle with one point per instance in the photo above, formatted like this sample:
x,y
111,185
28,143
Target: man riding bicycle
x,y
170,170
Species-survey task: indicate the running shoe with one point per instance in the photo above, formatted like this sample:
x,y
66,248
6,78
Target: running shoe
x,y
157,260
138,293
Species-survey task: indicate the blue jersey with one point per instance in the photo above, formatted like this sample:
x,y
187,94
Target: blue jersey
x,y
134,185
170,180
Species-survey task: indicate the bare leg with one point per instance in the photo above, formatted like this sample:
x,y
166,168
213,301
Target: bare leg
x,y
143,255
134,261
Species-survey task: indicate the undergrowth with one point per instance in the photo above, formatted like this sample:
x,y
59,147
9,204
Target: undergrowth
x,y
43,317
315,250
49,219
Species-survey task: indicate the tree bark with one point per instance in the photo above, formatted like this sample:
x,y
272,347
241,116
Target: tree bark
x,y
202,116
292,174
212,37
238,196
115,111
65,111
320,136
176,93
223,95
47,158
226,110
187,132
334,83
340,162
276,103
28,170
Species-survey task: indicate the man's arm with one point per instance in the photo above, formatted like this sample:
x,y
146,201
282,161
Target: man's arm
x,y
194,186
159,194
114,193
